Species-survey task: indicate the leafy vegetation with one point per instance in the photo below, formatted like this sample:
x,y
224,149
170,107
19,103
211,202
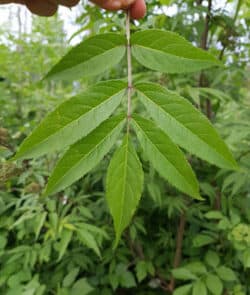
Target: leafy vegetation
x,y
57,235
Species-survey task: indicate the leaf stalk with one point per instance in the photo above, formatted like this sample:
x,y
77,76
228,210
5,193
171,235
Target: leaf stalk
x,y
129,69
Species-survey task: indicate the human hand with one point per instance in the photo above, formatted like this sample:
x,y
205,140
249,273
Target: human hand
x,y
49,7
42,7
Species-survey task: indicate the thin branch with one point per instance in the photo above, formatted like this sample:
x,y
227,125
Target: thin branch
x,y
129,64
204,45
178,250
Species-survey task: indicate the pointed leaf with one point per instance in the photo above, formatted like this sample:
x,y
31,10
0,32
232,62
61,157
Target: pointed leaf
x,y
166,157
124,185
226,274
91,57
214,284
199,288
182,273
169,53
184,290
88,239
185,125
85,154
73,119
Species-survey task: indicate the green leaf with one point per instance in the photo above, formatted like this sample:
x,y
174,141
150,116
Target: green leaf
x,y
212,259
124,185
91,57
168,52
185,125
166,157
214,215
70,277
85,154
184,290
199,288
66,237
141,270
183,274
214,284
201,240
196,267
73,119
81,287
88,239
226,274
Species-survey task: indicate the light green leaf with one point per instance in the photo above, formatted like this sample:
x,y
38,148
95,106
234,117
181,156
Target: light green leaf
x,y
185,125
199,288
168,52
81,287
124,185
141,270
85,154
201,240
214,284
166,157
196,267
183,274
73,119
66,237
184,290
70,277
212,259
91,57
226,274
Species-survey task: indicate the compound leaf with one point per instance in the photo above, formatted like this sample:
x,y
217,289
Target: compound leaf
x,y
85,154
73,119
124,185
185,125
168,52
166,157
91,57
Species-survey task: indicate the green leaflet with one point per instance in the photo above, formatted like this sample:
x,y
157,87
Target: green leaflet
x,y
184,290
85,154
73,119
199,288
166,157
124,185
169,53
91,57
214,284
185,125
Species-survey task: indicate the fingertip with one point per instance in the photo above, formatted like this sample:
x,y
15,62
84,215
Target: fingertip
x,y
47,8
138,9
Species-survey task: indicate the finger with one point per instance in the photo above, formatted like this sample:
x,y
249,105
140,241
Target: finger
x,y
68,3
138,9
42,7
113,4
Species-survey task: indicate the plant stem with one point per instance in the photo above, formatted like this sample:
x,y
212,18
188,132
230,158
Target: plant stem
x,y
129,65
178,250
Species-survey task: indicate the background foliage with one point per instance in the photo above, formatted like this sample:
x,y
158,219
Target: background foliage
x,y
63,244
